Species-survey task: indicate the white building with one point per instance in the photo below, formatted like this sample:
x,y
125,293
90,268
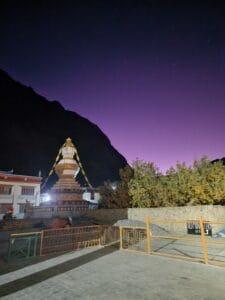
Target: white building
x,y
16,191
92,196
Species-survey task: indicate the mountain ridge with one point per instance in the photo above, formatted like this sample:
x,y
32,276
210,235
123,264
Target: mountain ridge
x,y
34,128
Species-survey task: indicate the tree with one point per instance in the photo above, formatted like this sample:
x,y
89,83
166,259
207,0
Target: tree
x,y
179,185
210,187
203,183
116,195
146,186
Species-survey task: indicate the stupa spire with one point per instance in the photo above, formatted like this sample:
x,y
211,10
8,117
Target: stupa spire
x,y
67,166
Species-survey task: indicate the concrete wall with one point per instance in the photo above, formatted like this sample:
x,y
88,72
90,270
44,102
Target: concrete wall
x,y
109,216
207,212
213,213
105,216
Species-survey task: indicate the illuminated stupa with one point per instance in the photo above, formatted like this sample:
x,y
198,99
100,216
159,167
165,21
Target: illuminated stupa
x,y
67,191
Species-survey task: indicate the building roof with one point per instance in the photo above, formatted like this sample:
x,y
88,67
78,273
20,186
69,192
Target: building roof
x,y
19,178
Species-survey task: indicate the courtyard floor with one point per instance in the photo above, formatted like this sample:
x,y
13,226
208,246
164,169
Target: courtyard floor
x,y
106,273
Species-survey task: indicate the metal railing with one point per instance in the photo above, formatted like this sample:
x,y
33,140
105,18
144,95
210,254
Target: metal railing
x,y
30,244
69,239
173,238
23,245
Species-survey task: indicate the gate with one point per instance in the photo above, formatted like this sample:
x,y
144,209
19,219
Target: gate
x,y
173,238
109,235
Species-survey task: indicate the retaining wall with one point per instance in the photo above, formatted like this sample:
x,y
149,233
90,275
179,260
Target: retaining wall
x,y
207,212
213,213
105,216
108,216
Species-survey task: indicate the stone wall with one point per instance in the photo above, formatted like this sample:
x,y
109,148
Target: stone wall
x,y
207,212
213,213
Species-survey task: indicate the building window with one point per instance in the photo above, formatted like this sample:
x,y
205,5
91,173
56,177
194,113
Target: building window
x,y
5,189
27,190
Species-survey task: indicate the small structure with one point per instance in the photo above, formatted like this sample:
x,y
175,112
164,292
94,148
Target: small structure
x,y
92,195
17,192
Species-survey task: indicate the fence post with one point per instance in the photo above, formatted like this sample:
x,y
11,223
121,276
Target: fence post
x,y
10,248
101,235
29,247
35,245
104,235
203,241
148,221
121,238
41,243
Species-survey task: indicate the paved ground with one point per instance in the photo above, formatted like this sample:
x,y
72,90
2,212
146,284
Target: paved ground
x,y
110,274
36,268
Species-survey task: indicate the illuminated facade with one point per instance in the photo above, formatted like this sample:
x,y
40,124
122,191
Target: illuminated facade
x,y
18,191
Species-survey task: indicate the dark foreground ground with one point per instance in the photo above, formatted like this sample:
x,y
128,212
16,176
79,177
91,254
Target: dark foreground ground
x,y
106,273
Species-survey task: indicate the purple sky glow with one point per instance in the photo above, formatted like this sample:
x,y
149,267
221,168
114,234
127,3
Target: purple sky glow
x,y
152,77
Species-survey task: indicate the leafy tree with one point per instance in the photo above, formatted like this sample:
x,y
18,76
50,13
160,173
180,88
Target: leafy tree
x,y
203,183
116,195
179,183
210,187
146,188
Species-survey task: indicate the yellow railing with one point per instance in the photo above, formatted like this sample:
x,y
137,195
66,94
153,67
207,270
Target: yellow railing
x,y
171,238
69,239
74,238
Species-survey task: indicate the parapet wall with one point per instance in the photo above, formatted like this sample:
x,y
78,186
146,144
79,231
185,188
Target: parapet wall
x,y
108,216
105,216
212,213
207,212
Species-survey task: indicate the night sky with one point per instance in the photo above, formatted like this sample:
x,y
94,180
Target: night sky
x,y
150,74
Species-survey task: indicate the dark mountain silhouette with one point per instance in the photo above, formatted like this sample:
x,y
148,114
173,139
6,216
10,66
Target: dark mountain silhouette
x,y
33,129
219,159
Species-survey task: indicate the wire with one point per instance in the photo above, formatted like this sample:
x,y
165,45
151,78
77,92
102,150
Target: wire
x,y
81,167
53,167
